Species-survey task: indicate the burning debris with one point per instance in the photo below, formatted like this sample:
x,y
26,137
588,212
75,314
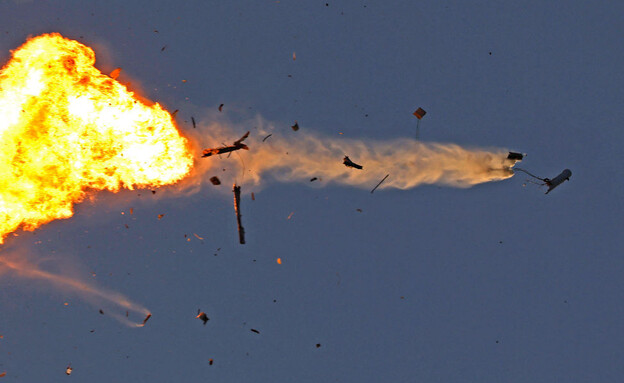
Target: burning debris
x,y
241,231
68,370
419,113
215,180
237,145
348,163
115,73
202,316
146,319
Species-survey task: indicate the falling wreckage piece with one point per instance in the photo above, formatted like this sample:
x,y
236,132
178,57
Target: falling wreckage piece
x,y
237,145
553,183
515,156
347,162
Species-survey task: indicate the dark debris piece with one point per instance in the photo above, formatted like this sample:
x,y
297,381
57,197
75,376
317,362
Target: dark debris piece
x,y
419,113
295,127
193,120
221,108
515,156
237,145
241,230
254,330
215,180
347,161
202,315
380,182
313,179
146,319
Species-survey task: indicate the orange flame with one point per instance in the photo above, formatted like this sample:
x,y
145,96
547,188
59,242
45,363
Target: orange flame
x,y
66,128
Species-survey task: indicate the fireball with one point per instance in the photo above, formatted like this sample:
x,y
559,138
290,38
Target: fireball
x,y
67,129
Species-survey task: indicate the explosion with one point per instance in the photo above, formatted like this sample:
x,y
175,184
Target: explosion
x,y
66,128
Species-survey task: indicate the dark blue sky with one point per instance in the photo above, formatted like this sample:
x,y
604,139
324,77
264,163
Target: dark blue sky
x,y
493,283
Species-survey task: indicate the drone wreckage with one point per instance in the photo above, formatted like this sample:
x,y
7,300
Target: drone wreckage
x,y
550,182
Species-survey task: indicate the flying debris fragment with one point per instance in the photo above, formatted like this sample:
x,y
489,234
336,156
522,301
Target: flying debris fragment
x,y
202,316
193,120
295,127
553,183
254,330
515,156
146,319
347,162
215,180
419,113
68,370
238,144
380,182
241,231
115,73
221,108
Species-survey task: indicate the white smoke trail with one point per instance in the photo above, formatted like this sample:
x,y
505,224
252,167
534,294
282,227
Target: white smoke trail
x,y
300,156
18,264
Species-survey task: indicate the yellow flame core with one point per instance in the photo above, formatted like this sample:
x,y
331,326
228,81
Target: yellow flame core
x,y
66,128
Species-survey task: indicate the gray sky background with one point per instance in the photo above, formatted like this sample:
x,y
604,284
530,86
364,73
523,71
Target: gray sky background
x,y
493,283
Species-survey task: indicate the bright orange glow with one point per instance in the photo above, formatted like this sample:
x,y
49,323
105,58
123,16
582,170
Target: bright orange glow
x,y
279,261
66,128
